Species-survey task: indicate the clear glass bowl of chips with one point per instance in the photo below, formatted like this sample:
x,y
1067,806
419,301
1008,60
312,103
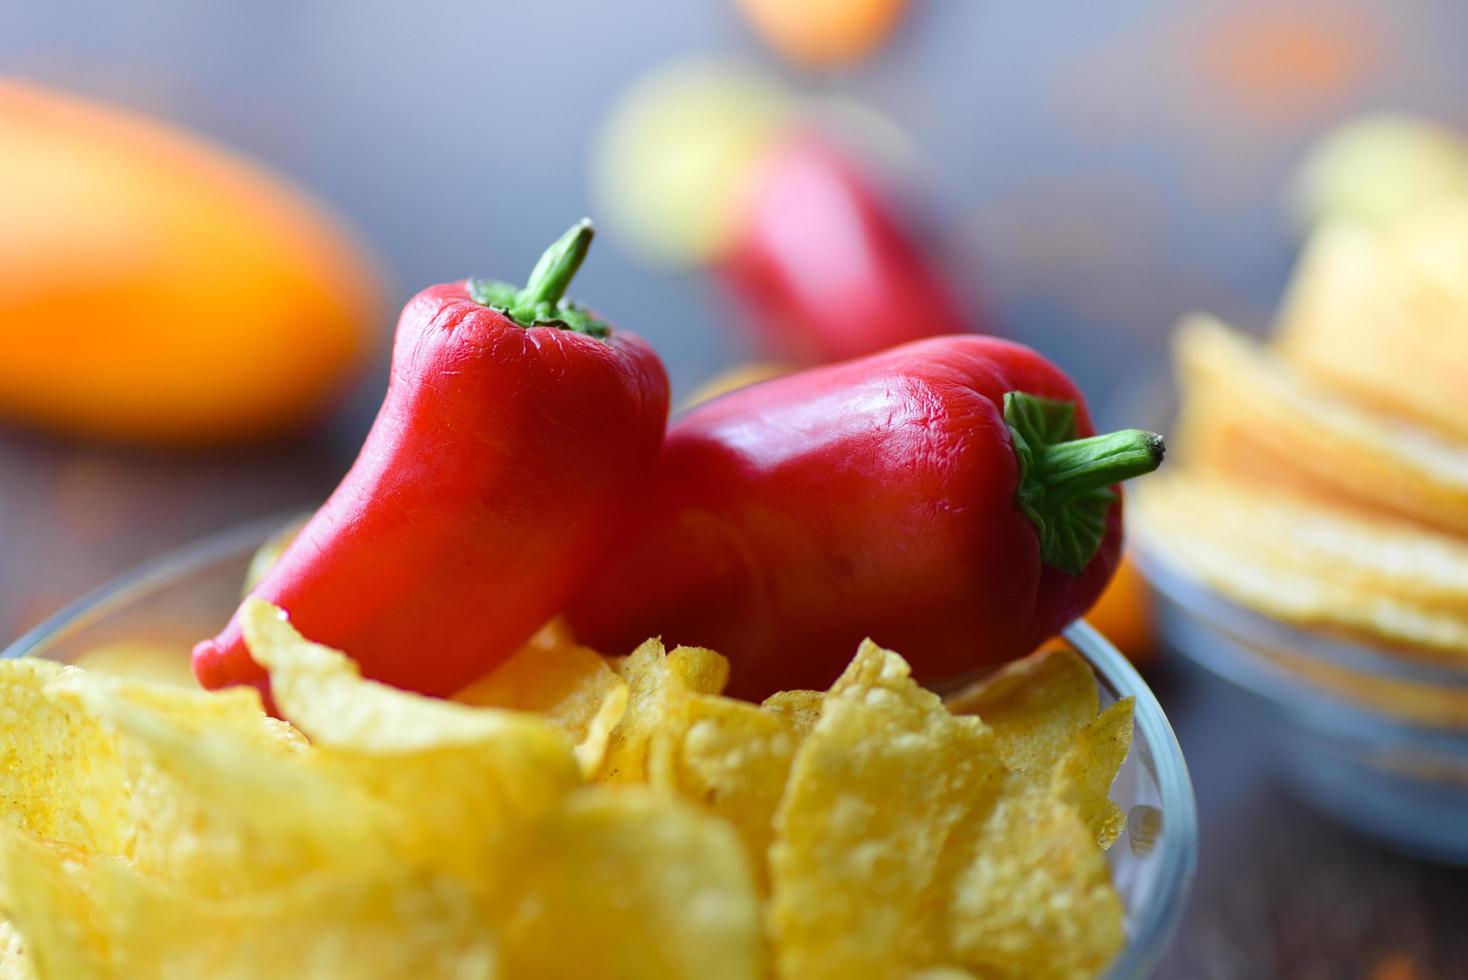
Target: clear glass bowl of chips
x,y
1374,738
166,605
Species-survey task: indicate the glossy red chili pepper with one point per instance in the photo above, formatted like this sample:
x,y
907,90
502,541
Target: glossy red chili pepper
x,y
940,498
515,432
824,265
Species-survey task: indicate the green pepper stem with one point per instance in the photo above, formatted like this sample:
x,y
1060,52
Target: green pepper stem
x,y
1064,482
556,267
542,302
1078,466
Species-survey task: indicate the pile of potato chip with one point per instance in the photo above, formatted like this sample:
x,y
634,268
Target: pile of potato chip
x,y
1322,478
570,815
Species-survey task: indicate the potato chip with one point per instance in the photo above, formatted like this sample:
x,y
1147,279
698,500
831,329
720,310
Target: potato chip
x,y
1084,776
44,898
82,916
1036,707
874,792
141,662
1382,316
62,775
1240,397
465,778
15,959
732,759
70,777
700,671
569,685
377,923
214,813
623,883
1033,897
1372,553
799,710
1250,574
658,682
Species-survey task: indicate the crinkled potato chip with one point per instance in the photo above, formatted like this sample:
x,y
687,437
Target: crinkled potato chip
x,y
658,683
626,884
82,916
1035,706
1033,897
43,894
217,815
1248,412
1084,776
570,685
732,759
378,923
1382,316
875,790
799,710
15,959
464,778
1372,553
1237,567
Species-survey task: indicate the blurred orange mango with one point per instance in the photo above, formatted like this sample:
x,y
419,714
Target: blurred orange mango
x,y
824,33
157,290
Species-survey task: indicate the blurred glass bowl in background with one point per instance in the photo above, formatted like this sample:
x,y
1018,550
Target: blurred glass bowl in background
x,y
169,603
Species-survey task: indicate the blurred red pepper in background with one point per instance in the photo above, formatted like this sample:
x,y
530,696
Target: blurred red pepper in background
x,y
823,262
515,433
942,498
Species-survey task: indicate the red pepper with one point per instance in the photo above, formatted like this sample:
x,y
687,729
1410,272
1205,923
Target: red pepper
x,y
817,241
515,432
945,498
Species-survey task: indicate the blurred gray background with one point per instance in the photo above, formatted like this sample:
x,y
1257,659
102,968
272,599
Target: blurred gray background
x,y
1093,169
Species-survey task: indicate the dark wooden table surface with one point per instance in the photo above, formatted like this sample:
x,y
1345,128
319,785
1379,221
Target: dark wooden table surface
x,y
1281,891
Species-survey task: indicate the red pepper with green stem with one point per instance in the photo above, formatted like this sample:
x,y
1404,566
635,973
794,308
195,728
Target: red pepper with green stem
x,y
516,429
946,498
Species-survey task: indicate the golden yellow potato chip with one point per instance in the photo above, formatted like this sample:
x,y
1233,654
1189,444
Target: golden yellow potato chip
x,y
732,759
1033,897
1351,600
64,778
374,922
799,710
1372,553
141,662
875,790
1085,774
572,686
15,959
1035,706
622,883
462,777
1381,316
218,815
82,916
658,684
1248,415
44,898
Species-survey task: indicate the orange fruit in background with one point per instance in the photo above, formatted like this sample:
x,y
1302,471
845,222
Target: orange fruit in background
x,y
155,289
1124,615
824,33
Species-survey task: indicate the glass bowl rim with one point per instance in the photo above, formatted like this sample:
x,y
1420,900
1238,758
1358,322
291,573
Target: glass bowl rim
x,y
1177,847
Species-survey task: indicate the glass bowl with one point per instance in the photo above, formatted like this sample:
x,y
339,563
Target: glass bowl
x,y
173,601
1373,739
